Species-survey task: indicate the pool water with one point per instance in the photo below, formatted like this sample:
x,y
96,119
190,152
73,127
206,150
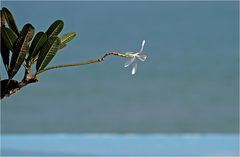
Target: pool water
x,y
120,144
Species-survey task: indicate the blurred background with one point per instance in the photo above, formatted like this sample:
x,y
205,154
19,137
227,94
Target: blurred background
x,y
187,85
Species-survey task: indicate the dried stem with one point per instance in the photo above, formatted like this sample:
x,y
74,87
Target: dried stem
x,y
8,86
83,63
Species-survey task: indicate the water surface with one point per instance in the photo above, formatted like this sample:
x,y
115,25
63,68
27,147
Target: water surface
x,y
127,145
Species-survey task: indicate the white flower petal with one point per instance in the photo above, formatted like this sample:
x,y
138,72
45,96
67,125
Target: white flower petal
x,y
134,69
142,57
129,62
143,43
129,53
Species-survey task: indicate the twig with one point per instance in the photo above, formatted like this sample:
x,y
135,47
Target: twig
x,y
83,63
9,86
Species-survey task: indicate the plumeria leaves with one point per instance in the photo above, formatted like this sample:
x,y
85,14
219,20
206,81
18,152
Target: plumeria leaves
x,y
37,43
53,44
3,20
55,28
9,19
66,38
5,55
9,37
20,49
40,51
47,52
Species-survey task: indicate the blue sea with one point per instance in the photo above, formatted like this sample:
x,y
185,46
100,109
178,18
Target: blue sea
x,y
120,145
183,99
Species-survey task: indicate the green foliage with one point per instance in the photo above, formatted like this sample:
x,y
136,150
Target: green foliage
x,y
20,49
17,45
55,28
66,38
37,43
10,20
3,20
47,52
23,51
5,54
9,37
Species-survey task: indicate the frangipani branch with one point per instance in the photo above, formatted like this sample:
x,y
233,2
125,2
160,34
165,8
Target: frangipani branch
x,y
24,48
132,55
9,87
84,63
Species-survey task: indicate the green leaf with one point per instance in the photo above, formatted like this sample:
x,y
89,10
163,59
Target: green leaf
x,y
28,30
3,20
9,37
55,28
10,20
47,52
36,45
66,38
62,45
20,49
5,54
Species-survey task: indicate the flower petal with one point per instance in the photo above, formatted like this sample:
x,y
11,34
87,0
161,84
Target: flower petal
x,y
143,43
127,53
142,57
134,69
129,62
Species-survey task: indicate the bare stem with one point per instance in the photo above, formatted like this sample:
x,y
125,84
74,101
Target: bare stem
x,y
83,63
9,86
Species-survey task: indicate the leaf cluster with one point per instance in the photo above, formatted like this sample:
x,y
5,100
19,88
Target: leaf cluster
x,y
25,48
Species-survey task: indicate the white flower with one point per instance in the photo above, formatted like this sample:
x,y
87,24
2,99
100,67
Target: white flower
x,y
133,57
